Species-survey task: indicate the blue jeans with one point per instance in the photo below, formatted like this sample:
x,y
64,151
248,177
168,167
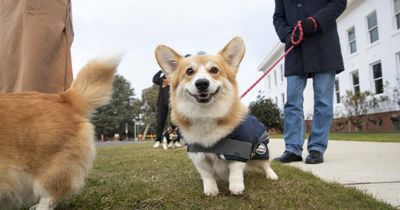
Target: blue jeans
x,y
323,84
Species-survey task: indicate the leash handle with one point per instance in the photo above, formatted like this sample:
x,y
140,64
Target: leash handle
x,y
298,27
314,22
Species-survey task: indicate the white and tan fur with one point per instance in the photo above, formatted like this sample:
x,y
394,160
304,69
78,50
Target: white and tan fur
x,y
206,119
47,140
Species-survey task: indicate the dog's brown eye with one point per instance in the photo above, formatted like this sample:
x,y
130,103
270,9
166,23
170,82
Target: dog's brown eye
x,y
189,72
214,70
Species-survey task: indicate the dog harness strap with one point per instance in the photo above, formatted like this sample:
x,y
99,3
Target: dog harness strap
x,y
249,140
226,146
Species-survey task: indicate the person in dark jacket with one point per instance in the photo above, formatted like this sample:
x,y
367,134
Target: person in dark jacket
x,y
318,57
162,106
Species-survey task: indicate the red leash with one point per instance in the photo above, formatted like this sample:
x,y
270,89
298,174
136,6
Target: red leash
x,y
298,27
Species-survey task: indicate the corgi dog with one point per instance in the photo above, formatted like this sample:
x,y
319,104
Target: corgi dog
x,y
47,140
206,106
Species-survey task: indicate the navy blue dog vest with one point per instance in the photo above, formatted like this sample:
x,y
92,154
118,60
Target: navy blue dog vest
x,y
248,141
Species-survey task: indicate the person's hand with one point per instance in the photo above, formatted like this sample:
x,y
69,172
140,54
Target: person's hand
x,y
288,39
165,82
309,25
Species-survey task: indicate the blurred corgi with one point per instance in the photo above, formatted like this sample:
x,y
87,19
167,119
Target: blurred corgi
x,y
173,137
206,107
47,140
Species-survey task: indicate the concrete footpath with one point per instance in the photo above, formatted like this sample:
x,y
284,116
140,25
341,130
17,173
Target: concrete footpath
x,y
370,166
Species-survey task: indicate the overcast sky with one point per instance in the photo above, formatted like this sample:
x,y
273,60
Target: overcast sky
x,y
136,27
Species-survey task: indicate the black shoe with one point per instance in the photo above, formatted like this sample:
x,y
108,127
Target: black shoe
x,y
288,157
315,157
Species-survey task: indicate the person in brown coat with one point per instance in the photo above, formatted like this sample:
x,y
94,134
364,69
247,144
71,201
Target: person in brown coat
x,y
35,42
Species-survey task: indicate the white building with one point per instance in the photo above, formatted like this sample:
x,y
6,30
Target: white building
x,y
369,32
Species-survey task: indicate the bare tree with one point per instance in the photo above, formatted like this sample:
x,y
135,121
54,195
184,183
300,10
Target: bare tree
x,y
395,93
360,104
356,107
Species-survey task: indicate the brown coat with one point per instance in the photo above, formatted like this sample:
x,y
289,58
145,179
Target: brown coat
x,y
35,42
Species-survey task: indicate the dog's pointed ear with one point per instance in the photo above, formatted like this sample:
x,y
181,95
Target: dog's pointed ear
x,y
233,52
167,58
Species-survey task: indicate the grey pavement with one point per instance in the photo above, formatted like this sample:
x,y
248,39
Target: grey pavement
x,y
370,166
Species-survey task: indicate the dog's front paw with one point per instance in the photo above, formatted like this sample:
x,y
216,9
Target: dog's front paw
x,y
211,191
210,188
271,174
236,188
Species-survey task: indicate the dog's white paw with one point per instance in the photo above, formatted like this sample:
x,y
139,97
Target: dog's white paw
x,y
271,174
211,191
41,207
34,207
236,188
210,188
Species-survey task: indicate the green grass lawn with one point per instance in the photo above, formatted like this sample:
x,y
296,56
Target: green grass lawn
x,y
359,136
140,177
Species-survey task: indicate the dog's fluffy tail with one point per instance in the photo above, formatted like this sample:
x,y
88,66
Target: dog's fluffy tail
x,y
92,87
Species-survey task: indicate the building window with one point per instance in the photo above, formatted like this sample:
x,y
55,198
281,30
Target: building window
x,y
282,72
372,22
397,13
269,82
283,99
356,81
377,77
351,35
275,79
337,91
276,100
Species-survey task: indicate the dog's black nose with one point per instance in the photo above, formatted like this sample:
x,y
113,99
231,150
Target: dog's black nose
x,y
202,84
